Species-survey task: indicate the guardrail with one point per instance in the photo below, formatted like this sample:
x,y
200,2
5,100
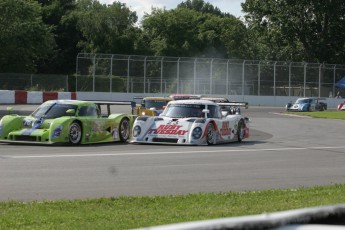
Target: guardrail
x,y
326,217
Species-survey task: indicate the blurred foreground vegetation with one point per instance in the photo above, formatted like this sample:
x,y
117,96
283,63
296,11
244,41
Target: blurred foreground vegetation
x,y
136,212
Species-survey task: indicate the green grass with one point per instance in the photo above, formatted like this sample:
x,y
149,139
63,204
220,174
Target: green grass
x,y
322,114
135,212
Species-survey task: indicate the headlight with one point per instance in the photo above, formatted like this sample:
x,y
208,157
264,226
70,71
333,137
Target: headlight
x,y
197,132
57,132
136,131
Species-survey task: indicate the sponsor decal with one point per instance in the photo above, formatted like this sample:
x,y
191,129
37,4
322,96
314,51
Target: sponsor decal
x,y
96,127
225,130
168,129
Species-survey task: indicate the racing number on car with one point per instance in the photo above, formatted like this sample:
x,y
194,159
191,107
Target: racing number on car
x,y
27,122
225,130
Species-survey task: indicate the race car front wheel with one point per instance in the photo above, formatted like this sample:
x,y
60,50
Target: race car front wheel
x,y
124,130
211,134
75,133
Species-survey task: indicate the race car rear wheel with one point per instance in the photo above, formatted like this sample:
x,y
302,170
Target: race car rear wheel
x,y
211,134
75,133
240,131
124,130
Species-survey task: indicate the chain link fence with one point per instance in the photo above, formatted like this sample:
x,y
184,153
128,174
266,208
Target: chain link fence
x,y
165,75
34,82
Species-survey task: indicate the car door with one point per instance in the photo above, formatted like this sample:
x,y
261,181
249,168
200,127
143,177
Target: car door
x,y
95,127
312,105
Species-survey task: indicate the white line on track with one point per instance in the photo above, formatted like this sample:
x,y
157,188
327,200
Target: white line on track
x,y
161,153
292,115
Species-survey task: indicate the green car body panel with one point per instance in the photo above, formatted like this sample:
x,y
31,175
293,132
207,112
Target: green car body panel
x,y
40,128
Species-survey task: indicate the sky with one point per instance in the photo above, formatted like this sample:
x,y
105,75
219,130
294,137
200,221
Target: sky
x,y
144,6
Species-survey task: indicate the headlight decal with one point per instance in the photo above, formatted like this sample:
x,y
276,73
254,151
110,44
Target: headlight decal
x,y
196,133
136,131
57,132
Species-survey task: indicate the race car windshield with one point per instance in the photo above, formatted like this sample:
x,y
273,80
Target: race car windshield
x,y
155,104
51,111
183,110
303,101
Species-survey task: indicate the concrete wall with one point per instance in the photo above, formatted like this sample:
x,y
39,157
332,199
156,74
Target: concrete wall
x,y
277,101
32,97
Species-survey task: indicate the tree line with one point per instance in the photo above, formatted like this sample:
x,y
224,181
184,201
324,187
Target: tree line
x,y
45,36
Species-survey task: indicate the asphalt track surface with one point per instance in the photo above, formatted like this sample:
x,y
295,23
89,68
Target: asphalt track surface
x,y
282,152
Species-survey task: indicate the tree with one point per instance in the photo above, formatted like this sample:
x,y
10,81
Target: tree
x,y
173,32
302,30
187,32
202,7
106,28
24,38
57,14
226,36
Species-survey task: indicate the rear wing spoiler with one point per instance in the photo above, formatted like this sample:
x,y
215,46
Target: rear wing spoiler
x,y
138,97
109,103
238,104
185,96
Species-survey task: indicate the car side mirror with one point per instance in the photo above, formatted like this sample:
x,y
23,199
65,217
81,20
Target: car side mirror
x,y
9,110
70,112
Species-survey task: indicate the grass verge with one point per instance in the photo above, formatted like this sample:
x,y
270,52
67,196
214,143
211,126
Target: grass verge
x,y
322,114
135,212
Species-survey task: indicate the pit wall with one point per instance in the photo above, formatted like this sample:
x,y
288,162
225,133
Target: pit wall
x,y
36,97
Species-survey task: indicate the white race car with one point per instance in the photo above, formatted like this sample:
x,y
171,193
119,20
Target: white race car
x,y
341,106
191,122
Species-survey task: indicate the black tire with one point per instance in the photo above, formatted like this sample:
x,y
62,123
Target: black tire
x,y
211,134
124,130
75,133
240,131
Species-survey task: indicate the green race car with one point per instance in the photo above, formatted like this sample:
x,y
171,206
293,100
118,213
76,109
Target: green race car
x,y
68,121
